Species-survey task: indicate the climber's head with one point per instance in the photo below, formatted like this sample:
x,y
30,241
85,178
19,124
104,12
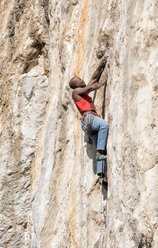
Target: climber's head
x,y
76,82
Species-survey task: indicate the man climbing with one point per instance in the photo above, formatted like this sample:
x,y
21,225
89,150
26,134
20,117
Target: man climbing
x,y
92,124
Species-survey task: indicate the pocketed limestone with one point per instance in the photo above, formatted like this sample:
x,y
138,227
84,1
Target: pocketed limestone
x,y
49,191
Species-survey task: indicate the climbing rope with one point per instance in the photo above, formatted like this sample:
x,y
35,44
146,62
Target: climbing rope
x,y
102,211
104,227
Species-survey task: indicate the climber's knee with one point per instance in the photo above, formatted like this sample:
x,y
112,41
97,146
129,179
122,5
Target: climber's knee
x,y
105,125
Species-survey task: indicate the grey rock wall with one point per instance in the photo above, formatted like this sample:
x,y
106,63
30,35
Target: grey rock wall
x,y
49,192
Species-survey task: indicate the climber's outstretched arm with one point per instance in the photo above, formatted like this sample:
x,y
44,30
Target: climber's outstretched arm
x,y
76,94
97,74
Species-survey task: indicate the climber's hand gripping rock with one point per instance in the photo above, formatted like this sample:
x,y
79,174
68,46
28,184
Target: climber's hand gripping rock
x,y
97,74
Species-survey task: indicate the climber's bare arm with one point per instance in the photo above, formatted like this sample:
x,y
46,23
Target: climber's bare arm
x,y
97,74
76,94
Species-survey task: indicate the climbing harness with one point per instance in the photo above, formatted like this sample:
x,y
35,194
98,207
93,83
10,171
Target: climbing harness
x,y
87,125
86,113
87,118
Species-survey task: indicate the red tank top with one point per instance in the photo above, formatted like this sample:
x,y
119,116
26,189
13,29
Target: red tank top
x,y
85,104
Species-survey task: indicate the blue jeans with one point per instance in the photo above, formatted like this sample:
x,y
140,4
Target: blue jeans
x,y
99,137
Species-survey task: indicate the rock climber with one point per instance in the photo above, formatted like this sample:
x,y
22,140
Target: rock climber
x,y
92,124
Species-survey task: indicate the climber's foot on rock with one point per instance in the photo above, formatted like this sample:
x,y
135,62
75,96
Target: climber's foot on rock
x,y
103,181
100,157
101,175
105,184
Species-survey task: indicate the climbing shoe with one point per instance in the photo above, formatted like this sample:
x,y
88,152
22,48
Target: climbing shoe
x,y
101,174
103,182
101,157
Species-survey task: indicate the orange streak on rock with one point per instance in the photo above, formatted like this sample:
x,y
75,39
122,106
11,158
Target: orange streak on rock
x,y
78,67
80,39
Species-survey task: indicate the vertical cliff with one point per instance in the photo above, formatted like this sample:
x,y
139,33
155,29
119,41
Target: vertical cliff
x,y
48,185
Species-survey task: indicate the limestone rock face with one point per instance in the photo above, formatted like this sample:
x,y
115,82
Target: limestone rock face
x,y
49,193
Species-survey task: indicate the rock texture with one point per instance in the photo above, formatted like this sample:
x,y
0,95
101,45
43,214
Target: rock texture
x,y
48,185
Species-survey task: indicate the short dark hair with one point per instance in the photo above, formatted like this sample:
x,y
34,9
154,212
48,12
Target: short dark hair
x,y
72,82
